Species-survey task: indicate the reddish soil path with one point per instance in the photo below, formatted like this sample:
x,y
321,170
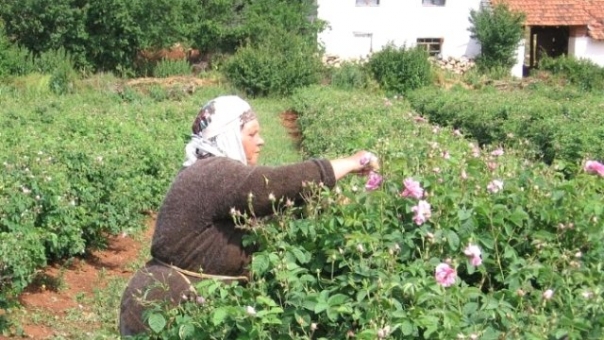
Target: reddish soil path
x,y
55,290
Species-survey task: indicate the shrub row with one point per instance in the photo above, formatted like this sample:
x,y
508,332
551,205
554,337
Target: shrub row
x,y
73,173
363,263
559,125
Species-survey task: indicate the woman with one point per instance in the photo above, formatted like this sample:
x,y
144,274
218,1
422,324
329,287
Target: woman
x,y
195,236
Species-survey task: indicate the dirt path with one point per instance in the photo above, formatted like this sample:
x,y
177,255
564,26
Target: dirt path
x,y
66,295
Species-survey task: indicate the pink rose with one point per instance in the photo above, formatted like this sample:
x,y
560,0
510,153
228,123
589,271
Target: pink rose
x,y
498,152
473,252
412,189
422,212
594,167
445,275
374,181
495,186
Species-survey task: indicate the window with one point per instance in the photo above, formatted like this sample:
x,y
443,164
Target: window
x,y
368,3
433,2
432,45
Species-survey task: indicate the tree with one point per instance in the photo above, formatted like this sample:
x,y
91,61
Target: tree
x,y
499,31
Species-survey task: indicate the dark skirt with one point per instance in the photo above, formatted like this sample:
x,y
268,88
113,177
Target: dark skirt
x,y
155,283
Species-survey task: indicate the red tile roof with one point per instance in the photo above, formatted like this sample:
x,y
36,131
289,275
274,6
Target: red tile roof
x,y
588,13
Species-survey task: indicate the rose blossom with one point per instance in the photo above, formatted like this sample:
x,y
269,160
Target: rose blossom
x,y
412,189
373,181
548,294
445,275
473,252
422,212
495,186
498,152
594,167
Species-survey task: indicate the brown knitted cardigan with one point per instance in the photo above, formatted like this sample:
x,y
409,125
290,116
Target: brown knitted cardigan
x,y
195,230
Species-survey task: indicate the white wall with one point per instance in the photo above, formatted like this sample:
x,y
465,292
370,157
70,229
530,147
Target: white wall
x,y
518,69
399,21
585,47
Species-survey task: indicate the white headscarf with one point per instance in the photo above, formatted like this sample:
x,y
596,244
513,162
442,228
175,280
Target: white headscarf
x,y
217,130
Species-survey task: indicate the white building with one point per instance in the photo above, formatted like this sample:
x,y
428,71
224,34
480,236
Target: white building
x,y
359,27
561,27
557,27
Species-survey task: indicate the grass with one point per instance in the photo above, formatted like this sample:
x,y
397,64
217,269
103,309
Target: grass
x,y
99,312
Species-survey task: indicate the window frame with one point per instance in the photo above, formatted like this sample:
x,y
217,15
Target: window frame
x,y
367,3
432,3
427,43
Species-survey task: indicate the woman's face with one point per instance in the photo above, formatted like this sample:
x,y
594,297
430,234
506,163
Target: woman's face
x,y
251,140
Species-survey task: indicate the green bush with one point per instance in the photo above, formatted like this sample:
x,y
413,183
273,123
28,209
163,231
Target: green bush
x,y
399,70
580,72
349,76
499,30
14,60
277,65
362,265
551,124
61,67
167,68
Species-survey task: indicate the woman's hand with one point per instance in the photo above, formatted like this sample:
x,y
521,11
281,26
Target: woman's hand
x,y
361,163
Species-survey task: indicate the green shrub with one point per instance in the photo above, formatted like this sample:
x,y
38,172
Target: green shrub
x,y
14,60
63,76
167,68
580,72
361,265
399,70
277,65
499,30
553,125
350,76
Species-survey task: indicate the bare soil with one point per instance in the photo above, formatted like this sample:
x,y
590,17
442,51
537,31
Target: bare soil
x,y
55,289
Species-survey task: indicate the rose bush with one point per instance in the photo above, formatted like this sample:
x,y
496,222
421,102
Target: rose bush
x,y
482,243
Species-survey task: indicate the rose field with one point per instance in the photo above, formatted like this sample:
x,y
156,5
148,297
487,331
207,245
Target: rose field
x,y
458,236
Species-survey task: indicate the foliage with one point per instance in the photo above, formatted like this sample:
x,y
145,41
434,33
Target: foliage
x,y
554,125
579,72
107,35
402,69
360,265
167,68
350,76
63,76
13,59
277,65
498,29
76,168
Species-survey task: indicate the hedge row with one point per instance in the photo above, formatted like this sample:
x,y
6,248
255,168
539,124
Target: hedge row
x,y
559,125
77,168
369,263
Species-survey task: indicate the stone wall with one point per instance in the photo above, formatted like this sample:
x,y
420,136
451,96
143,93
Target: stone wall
x,y
455,65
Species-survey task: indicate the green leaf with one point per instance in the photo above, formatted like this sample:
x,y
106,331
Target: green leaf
x,y
407,328
266,301
518,216
321,306
157,322
260,264
337,300
299,255
219,315
453,240
185,331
